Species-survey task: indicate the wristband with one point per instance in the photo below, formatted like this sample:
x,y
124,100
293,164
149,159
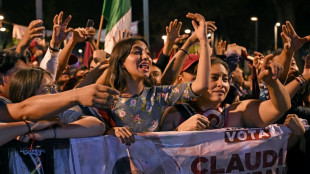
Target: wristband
x,y
184,51
303,78
299,80
53,49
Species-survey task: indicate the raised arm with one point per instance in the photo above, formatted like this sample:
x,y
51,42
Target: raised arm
x,y
91,32
292,42
78,35
174,67
293,87
201,83
262,113
173,37
60,33
33,30
220,49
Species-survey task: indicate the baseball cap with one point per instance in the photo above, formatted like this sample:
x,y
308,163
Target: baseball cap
x,y
190,59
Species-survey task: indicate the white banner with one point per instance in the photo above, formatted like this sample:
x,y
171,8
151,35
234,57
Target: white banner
x,y
19,31
227,150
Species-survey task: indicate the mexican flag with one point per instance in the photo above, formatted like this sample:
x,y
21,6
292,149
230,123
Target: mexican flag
x,y
118,15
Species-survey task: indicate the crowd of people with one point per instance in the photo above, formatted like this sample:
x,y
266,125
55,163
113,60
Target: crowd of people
x,y
127,91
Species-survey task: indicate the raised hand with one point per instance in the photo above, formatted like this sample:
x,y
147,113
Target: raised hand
x,y
221,47
292,42
123,134
200,30
60,30
235,48
121,35
91,32
173,32
33,30
210,26
196,122
79,35
258,60
270,71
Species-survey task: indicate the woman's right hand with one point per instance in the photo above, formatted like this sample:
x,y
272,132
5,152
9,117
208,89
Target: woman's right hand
x,y
200,29
196,122
123,134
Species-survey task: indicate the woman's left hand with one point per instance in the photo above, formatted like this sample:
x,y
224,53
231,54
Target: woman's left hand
x,y
270,70
200,29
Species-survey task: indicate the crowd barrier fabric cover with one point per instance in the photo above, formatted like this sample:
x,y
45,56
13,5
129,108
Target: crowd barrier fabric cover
x,y
227,150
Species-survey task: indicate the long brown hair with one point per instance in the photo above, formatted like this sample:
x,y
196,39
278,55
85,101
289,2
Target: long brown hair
x,y
118,56
25,83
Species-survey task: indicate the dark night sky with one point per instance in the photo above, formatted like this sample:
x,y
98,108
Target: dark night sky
x,y
232,16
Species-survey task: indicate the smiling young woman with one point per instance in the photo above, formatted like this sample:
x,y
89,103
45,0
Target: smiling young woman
x,y
209,110
141,106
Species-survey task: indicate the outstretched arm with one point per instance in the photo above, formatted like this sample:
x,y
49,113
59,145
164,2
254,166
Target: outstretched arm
x,y
10,131
47,106
260,114
201,83
292,43
86,127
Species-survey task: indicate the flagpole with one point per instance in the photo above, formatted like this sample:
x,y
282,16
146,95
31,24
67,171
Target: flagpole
x,y
146,20
99,32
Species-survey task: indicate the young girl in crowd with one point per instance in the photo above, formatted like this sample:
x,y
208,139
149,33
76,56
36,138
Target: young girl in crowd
x,y
30,82
140,107
209,111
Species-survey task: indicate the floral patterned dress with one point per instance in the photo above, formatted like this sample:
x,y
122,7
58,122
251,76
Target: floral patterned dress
x,y
143,113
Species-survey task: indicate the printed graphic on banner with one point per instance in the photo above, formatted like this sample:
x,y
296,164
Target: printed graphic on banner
x,y
237,135
211,151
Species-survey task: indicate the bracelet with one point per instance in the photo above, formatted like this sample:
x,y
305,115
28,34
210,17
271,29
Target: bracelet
x,y
54,128
184,51
28,125
53,49
303,78
300,81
